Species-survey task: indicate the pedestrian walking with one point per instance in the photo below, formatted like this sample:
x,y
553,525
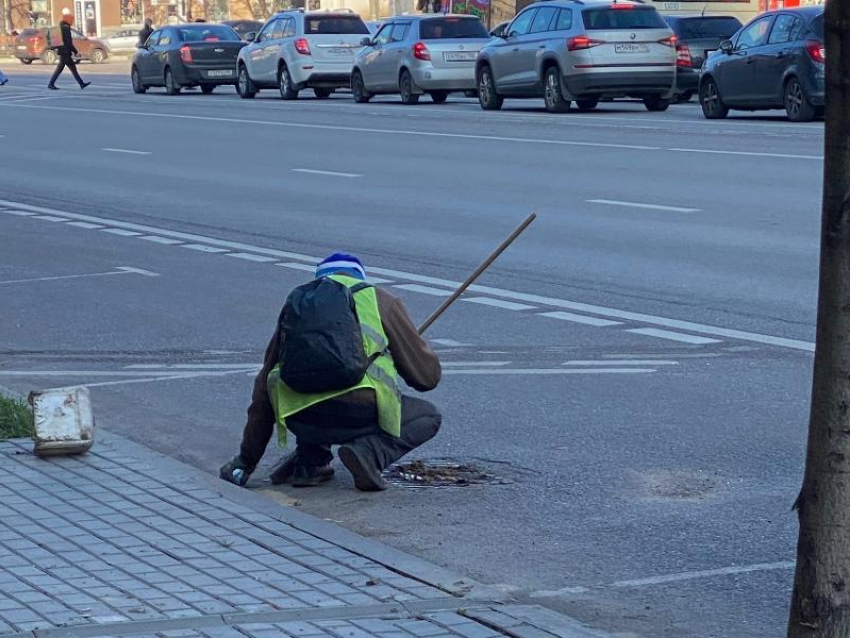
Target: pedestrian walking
x,y
66,53
145,31
331,377
3,79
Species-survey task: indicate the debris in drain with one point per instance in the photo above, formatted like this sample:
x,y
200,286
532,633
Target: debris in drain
x,y
439,474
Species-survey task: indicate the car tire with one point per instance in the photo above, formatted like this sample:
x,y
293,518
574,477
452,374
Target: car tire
x,y
207,89
488,98
244,86
438,97
136,80
97,56
284,83
797,105
405,88
48,56
656,104
713,107
171,87
587,105
553,95
358,88
323,94
25,61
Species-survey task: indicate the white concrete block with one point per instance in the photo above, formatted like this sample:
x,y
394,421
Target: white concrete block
x,y
64,422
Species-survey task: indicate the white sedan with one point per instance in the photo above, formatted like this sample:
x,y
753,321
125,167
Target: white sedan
x,y
123,41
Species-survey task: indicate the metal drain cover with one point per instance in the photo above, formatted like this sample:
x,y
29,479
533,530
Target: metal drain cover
x,y
439,473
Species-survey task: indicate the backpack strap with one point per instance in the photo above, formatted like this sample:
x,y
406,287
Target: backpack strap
x,y
358,287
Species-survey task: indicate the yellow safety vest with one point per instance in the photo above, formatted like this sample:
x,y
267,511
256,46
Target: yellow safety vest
x,y
381,376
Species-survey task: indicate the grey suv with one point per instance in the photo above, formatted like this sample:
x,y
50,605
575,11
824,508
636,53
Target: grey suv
x,y
582,51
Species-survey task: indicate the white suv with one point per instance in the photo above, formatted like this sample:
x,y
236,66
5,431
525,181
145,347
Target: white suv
x,y
296,50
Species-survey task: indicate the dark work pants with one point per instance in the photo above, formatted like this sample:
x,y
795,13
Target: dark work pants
x,y
65,60
339,423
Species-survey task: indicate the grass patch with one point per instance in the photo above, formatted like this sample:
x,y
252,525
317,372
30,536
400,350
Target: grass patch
x,y
15,418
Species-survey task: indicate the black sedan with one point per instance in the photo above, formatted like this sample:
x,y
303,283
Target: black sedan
x,y
775,62
187,55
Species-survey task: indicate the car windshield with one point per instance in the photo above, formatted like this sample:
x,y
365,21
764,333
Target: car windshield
x,y
212,33
817,26
344,25
624,16
446,28
697,28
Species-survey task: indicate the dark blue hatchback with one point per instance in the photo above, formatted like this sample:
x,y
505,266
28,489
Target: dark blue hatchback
x,y
775,62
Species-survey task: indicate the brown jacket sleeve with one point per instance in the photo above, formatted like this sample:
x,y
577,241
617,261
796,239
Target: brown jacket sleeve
x,y
416,362
260,410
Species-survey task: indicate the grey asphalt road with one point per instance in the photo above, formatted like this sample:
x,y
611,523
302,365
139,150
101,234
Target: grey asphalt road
x,y
634,372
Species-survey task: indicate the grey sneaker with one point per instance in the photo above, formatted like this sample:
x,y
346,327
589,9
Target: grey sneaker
x,y
306,476
367,476
236,471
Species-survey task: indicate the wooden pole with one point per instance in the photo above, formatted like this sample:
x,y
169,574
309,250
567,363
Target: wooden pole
x,y
471,279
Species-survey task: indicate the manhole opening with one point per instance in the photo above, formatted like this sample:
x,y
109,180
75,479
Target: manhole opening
x,y
440,473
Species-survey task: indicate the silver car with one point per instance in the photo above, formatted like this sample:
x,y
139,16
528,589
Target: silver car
x,y
581,51
414,55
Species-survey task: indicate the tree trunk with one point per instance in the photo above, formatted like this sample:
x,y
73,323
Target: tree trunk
x,y
820,606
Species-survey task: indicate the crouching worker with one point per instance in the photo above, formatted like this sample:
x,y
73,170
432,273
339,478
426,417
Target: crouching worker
x,y
331,377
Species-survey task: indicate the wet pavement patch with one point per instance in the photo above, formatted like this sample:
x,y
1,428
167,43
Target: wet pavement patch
x,y
440,473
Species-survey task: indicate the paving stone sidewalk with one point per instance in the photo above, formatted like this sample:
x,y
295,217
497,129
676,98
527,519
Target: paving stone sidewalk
x,y
125,542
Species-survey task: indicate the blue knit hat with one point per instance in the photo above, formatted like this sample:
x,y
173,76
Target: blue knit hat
x,y
341,263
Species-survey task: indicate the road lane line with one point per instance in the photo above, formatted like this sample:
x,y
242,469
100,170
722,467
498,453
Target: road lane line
x,y
207,244
673,336
121,232
126,151
161,240
201,248
193,366
704,573
555,371
426,290
85,225
118,271
18,213
499,303
250,257
473,364
451,343
746,153
622,362
328,173
312,269
51,218
590,321
614,202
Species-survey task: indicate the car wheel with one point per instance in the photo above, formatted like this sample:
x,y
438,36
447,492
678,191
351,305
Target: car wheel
x,y
323,94
97,56
171,87
136,79
405,88
358,88
713,107
206,89
49,56
284,80
553,96
438,97
244,87
797,106
656,104
587,105
487,96
26,61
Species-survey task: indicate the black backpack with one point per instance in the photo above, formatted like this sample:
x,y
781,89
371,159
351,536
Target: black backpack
x,y
321,342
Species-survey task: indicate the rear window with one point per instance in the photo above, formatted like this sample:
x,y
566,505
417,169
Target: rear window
x,y
698,28
28,33
335,25
212,33
446,28
627,16
817,26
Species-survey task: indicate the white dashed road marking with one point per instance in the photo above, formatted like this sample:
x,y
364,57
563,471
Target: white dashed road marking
x,y
614,202
673,336
327,173
250,257
425,290
120,231
201,248
590,321
622,362
51,218
126,151
120,270
556,371
499,303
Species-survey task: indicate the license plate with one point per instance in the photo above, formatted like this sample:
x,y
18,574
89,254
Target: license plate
x,y
460,56
631,48
220,73
339,51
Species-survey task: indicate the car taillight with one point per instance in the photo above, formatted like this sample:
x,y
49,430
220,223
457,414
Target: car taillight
x,y
618,5
816,51
579,42
683,55
669,42
186,54
421,52
302,46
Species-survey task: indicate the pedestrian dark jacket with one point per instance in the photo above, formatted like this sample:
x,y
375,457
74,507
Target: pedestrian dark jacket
x,y
145,33
67,47
415,361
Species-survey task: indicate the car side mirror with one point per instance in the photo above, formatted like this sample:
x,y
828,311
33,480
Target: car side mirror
x,y
142,45
366,42
251,36
727,47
